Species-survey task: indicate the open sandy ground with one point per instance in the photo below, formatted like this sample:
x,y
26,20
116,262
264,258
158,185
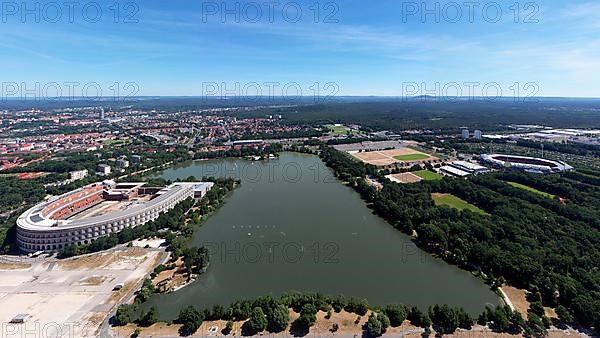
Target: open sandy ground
x,y
518,298
72,297
404,178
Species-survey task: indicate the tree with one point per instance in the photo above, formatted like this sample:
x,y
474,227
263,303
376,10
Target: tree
x,y
146,291
149,318
191,319
308,316
258,321
445,320
358,306
517,323
218,312
535,327
537,308
279,319
373,326
125,314
338,304
499,318
228,328
396,314
385,321
464,320
419,318
564,315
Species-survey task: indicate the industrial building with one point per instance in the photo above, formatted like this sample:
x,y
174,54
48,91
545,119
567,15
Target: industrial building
x,y
96,210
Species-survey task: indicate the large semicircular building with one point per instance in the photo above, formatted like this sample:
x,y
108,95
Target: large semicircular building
x,y
97,210
526,163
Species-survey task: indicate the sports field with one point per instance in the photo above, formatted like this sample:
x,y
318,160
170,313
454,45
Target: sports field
x,y
428,175
338,129
455,202
391,156
533,190
411,157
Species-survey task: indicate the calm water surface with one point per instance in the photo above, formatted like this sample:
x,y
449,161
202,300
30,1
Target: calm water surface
x,y
292,226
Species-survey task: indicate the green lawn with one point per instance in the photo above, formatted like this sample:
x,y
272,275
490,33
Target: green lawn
x,y
455,202
338,130
533,190
411,157
428,175
115,142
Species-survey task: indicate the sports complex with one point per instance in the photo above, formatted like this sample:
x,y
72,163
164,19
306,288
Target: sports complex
x,y
96,210
388,154
531,164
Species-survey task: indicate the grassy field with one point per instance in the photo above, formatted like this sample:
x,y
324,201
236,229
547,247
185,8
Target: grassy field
x,y
411,157
115,142
533,190
455,202
338,130
428,175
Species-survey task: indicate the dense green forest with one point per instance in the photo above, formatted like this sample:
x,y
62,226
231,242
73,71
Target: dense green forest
x,y
533,242
398,115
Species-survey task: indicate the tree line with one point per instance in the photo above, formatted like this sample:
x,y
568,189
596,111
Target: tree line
x,y
536,244
271,314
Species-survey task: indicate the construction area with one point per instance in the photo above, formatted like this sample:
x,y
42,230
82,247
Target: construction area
x,y
404,178
69,298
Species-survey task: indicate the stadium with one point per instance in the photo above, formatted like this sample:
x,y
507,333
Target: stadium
x,y
96,210
531,164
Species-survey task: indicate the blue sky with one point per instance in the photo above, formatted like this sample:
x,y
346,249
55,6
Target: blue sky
x,y
368,47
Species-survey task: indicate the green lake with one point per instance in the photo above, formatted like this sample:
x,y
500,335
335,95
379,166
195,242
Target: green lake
x,y
292,226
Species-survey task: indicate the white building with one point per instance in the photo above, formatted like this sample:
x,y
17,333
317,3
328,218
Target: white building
x,y
50,225
448,170
471,168
78,175
465,133
122,163
478,134
103,170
